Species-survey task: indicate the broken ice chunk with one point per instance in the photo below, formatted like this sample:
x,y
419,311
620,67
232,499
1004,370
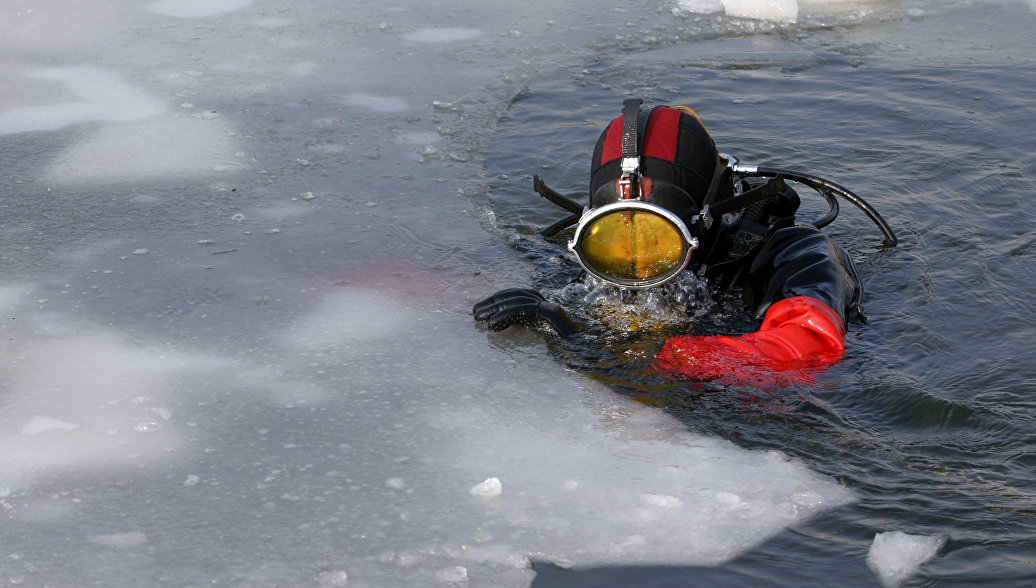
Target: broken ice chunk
x,y
895,556
490,488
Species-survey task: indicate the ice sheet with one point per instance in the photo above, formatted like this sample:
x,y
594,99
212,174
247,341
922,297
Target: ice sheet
x,y
156,148
570,474
784,11
96,94
139,137
579,481
443,35
196,8
778,10
78,401
622,484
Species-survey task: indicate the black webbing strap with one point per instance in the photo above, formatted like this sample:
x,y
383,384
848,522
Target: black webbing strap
x,y
768,190
630,118
550,194
703,220
629,183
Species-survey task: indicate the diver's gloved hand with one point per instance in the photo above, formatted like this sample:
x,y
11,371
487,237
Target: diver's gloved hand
x,y
525,307
799,336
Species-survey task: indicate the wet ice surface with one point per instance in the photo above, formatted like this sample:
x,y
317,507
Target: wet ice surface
x,y
236,346
196,8
397,441
773,10
139,137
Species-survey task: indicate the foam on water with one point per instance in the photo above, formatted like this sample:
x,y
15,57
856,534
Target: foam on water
x,y
671,303
896,556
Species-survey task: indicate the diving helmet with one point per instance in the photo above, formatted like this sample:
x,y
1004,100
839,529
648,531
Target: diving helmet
x,y
655,171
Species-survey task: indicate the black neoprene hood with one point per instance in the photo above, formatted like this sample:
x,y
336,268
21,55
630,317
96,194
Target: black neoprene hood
x,y
677,158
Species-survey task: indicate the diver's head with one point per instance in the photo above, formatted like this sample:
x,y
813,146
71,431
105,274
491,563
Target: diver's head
x,y
653,175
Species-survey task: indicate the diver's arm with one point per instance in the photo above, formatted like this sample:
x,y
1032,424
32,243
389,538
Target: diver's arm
x,y
797,335
525,307
806,284
802,261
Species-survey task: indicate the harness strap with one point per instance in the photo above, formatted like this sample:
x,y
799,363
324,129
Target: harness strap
x,y
630,119
629,184
768,190
550,194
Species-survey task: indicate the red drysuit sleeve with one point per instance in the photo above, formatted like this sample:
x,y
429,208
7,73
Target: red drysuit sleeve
x,y
798,336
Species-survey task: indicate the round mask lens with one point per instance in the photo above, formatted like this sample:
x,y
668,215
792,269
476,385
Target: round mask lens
x,y
633,245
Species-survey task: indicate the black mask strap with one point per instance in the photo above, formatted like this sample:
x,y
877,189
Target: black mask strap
x,y
703,220
630,118
629,184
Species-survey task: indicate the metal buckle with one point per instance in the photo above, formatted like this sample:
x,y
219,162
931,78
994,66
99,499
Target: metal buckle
x,y
703,219
629,186
630,165
625,187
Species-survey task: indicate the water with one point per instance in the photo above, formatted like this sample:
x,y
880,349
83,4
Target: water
x,y
241,241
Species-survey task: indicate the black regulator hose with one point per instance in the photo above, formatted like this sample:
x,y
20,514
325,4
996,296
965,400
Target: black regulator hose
x,y
832,211
825,187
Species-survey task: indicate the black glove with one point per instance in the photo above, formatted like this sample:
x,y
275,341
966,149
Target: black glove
x,y
525,307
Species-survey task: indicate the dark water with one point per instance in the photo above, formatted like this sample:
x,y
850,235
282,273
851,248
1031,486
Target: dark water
x,y
929,418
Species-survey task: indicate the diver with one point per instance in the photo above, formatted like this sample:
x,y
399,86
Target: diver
x,y
663,201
